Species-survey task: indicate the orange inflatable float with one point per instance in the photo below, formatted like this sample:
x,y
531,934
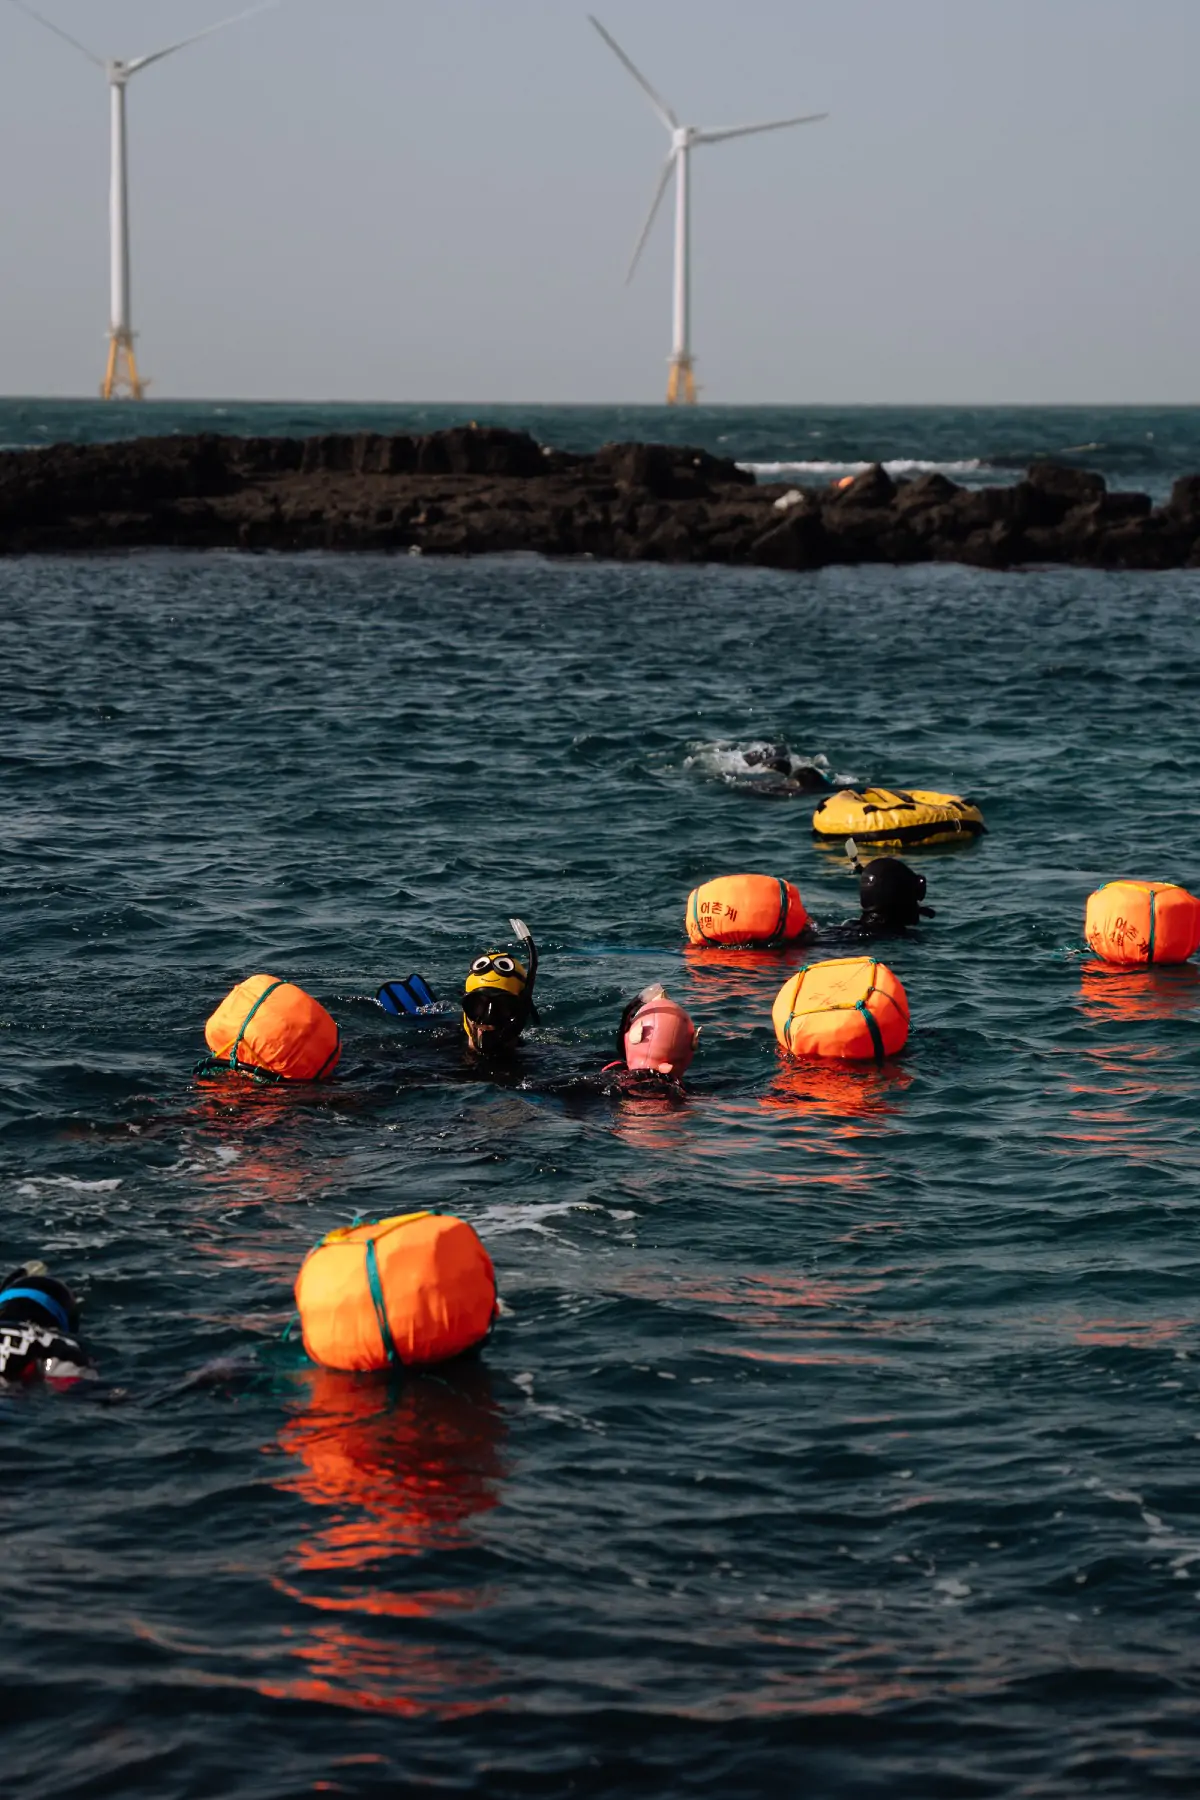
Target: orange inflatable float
x,y
415,1289
273,1030
852,1007
1143,922
745,910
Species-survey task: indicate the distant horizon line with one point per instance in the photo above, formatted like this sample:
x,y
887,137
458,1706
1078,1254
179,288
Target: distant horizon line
x,y
655,406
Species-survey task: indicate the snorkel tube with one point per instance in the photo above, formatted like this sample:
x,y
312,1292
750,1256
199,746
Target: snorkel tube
x,y
525,938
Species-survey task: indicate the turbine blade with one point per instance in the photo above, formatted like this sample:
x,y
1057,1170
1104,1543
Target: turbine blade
x,y
59,32
143,62
736,131
667,171
657,102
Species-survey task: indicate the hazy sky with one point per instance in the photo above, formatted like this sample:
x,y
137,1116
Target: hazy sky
x,y
437,200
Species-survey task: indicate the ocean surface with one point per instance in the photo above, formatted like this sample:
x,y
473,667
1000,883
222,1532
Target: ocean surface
x,y
840,1434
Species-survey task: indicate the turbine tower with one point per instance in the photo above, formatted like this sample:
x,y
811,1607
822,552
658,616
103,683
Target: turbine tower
x,y
681,383
121,377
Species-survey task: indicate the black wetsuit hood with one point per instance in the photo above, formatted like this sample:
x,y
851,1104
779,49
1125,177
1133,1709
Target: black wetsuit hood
x,y
890,894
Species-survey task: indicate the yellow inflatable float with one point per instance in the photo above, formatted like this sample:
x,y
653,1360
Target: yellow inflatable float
x,y
893,818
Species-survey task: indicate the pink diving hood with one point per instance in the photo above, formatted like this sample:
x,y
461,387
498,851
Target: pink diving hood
x,y
660,1036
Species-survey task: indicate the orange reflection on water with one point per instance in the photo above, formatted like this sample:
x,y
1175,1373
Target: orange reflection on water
x,y
396,1474
1137,995
787,1316
838,1090
654,1120
768,1298
1132,1334
746,981
1134,1098
831,1111
1122,1116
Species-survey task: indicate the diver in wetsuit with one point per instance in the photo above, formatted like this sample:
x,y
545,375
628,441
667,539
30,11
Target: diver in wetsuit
x,y
656,1041
39,1325
890,894
793,777
497,999
39,1341
655,1044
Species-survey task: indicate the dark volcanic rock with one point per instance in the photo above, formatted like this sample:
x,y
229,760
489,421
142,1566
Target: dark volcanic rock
x,y
967,512
930,489
1184,504
1148,543
1063,483
1034,507
668,472
44,486
996,546
1122,505
874,487
476,490
475,450
799,543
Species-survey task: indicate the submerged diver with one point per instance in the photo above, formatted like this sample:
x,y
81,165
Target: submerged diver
x,y
656,1041
497,999
39,1325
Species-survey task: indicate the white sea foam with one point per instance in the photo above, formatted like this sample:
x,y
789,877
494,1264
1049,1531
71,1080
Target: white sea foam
x,y
742,763
29,1190
526,1215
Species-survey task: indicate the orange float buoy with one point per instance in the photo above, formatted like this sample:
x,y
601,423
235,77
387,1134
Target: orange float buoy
x,y
272,1028
745,910
415,1289
1143,922
851,1007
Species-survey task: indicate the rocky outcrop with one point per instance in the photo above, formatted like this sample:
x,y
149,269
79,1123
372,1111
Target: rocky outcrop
x,y
472,491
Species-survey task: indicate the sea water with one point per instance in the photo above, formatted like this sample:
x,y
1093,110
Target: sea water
x,y
839,1436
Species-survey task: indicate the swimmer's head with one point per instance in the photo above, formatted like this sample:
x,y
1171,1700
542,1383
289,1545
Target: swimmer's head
x,y
497,997
890,893
768,756
31,1296
656,1035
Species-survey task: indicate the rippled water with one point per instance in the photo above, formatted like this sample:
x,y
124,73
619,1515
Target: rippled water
x,y
840,1437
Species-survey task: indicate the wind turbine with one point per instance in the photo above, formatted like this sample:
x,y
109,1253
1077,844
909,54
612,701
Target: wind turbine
x,y
121,376
681,383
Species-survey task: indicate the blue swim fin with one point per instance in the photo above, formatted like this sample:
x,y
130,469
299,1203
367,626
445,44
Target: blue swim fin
x,y
406,998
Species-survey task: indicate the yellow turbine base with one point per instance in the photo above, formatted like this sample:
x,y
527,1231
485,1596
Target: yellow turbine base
x,y
121,378
681,382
